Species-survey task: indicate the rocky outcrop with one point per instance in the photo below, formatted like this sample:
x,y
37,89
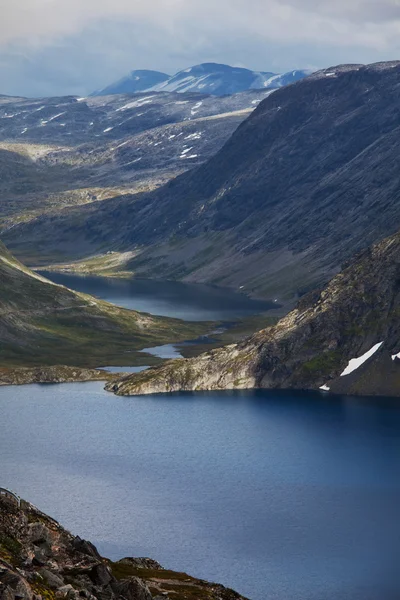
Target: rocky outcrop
x,y
40,560
309,347
54,374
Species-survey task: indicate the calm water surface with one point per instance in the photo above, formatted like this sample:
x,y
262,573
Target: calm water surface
x,y
166,298
283,496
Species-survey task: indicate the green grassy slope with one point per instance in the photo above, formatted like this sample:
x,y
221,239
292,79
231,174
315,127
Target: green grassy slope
x,y
45,324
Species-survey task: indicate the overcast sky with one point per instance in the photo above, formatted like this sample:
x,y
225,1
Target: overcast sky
x,y
55,47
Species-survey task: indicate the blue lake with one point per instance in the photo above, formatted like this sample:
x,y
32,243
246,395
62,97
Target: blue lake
x,y
166,298
282,496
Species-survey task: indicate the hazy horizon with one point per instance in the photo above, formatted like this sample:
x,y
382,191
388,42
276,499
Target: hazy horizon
x,y
54,47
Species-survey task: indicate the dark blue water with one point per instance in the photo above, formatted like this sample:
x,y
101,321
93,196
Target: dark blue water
x,y
283,496
166,298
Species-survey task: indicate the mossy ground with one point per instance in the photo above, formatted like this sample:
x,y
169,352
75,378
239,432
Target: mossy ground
x,y
46,324
177,586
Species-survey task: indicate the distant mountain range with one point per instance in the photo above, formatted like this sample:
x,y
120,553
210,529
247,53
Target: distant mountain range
x,y
310,178
64,150
136,81
207,78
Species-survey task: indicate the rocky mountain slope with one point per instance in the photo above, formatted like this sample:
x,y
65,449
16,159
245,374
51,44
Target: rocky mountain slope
x,y
64,152
206,78
71,121
41,560
311,177
46,324
357,313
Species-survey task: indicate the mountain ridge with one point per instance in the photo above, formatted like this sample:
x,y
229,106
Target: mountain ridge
x,y
307,180
356,314
210,78
139,80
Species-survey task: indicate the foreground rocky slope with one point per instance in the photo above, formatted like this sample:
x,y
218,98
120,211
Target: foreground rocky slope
x,y
310,178
312,345
42,323
42,561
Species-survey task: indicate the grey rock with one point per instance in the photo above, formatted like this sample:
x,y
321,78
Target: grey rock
x,y
133,589
101,575
141,563
39,533
54,581
86,547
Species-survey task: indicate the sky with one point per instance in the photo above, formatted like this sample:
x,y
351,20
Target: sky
x,y
58,47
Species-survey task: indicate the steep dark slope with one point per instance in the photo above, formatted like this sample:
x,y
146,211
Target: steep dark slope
x,y
311,346
312,176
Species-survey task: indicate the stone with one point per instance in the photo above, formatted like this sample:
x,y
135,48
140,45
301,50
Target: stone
x,y
133,589
54,581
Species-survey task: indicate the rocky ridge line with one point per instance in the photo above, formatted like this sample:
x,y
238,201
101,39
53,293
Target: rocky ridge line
x,y
40,560
311,346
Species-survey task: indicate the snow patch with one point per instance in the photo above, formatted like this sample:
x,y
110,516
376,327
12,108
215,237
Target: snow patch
x,y
194,136
108,129
355,363
56,116
136,103
195,108
123,144
133,161
325,388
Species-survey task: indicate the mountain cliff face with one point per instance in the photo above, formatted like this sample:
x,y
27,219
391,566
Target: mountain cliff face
x,y
42,323
206,78
311,346
41,560
310,178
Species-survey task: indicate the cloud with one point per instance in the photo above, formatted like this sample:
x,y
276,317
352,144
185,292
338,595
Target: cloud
x,y
37,20
60,46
